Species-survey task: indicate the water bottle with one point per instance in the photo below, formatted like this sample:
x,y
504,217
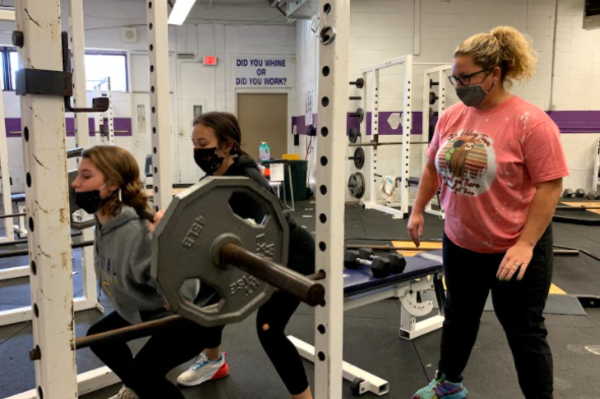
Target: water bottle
x,y
264,151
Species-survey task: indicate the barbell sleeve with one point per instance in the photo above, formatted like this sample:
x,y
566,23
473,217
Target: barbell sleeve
x,y
276,275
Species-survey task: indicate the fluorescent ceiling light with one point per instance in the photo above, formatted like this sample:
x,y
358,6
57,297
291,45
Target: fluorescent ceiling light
x,y
180,11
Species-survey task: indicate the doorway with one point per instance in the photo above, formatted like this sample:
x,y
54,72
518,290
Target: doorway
x,y
263,117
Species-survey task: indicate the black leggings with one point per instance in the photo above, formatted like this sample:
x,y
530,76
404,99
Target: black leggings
x,y
518,305
146,372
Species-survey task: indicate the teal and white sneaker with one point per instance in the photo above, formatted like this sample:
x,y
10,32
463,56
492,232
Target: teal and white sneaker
x,y
204,369
442,388
125,393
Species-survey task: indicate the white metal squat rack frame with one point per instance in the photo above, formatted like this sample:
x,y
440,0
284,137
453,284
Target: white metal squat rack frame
x,y
44,133
398,210
46,163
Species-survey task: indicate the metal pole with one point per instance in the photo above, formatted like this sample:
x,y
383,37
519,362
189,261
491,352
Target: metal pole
x,y
6,200
44,134
9,234
333,97
160,108
374,136
82,141
407,128
111,114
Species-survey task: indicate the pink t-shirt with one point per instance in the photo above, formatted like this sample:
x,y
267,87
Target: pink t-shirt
x,y
488,163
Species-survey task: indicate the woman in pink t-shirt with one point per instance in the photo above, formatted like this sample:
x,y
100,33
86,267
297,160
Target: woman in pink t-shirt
x,y
499,164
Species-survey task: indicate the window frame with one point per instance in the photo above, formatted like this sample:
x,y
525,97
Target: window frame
x,y
122,53
9,85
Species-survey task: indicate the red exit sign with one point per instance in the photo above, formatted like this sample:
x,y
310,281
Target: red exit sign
x,y
210,60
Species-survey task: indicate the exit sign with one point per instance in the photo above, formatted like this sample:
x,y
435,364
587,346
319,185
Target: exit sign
x,y
210,60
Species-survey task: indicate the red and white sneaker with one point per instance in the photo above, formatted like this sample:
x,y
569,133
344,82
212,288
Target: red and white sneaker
x,y
204,370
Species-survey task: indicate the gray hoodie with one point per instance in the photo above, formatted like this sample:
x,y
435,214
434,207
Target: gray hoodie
x,y
123,250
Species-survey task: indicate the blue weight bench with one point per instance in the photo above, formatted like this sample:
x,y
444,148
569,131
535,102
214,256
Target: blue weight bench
x,y
421,294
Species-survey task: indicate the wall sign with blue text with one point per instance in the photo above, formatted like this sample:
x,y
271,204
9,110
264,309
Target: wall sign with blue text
x,y
264,72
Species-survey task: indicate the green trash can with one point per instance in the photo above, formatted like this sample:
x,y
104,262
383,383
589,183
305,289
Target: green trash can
x,y
299,170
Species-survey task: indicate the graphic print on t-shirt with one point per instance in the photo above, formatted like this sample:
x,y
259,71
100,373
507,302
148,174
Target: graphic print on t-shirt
x,y
467,163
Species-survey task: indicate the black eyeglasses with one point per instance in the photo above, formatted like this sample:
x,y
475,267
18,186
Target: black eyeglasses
x,y
465,80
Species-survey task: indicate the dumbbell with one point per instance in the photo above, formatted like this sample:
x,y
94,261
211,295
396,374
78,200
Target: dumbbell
x,y
592,195
397,261
568,193
380,267
580,193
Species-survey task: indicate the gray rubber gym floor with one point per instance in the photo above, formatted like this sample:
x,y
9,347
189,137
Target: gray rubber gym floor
x,y
371,333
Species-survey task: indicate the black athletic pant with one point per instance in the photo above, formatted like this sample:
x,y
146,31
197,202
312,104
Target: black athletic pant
x,y
518,305
145,373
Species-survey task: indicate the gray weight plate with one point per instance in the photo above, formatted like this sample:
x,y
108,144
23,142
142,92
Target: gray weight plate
x,y
353,135
359,158
183,246
356,185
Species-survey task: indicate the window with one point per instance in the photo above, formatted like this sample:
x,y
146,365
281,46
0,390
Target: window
x,y
98,66
102,64
9,66
14,65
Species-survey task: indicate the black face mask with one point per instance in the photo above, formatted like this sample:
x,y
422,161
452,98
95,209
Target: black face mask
x,y
89,201
208,160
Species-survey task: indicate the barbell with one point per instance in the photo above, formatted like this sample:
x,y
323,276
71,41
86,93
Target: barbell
x,y
201,237
240,256
373,144
144,329
24,252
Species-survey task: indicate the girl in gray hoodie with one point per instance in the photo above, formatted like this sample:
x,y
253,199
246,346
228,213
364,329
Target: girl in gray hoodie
x,y
108,185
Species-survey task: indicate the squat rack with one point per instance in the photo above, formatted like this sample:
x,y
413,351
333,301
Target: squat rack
x,y
40,49
398,210
89,298
105,134
46,166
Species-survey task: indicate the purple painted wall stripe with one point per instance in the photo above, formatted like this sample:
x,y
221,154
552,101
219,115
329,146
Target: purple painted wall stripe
x,y
567,122
121,124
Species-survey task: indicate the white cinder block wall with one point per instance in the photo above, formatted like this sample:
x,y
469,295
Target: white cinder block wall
x,y
382,30
226,32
